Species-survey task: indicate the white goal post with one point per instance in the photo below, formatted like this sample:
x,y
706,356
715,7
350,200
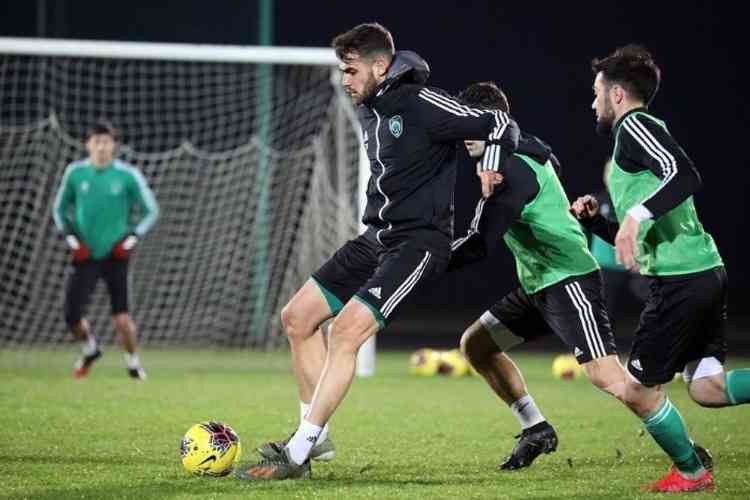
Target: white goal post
x,y
254,155
60,47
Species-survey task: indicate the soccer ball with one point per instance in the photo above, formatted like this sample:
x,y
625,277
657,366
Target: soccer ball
x,y
566,367
453,363
210,449
424,362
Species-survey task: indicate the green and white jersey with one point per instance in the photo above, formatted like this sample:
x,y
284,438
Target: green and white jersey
x,y
96,204
546,240
649,169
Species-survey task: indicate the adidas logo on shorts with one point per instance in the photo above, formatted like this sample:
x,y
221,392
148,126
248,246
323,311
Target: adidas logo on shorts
x,y
375,292
577,352
636,363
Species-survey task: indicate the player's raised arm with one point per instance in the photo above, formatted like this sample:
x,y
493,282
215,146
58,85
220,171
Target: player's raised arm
x,y
446,119
644,141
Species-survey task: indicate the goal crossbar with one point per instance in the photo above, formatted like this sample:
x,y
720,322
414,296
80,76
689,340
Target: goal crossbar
x,y
316,56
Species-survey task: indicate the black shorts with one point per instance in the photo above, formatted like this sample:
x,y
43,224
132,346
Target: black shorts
x,y
684,320
381,277
573,309
82,282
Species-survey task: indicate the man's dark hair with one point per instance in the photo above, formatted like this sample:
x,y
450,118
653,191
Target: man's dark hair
x,y
101,127
484,95
366,40
632,67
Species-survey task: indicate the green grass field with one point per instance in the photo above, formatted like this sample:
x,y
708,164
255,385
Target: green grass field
x,y
398,436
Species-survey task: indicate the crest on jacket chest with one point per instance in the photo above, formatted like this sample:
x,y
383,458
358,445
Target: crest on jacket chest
x,y
396,126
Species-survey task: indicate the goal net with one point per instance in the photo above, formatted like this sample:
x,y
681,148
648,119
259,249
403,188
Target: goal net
x,y
252,154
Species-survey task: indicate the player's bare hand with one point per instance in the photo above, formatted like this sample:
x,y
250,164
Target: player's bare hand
x,y
626,243
585,207
489,179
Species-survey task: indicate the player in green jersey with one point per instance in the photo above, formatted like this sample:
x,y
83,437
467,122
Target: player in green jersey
x,y
659,235
561,288
93,211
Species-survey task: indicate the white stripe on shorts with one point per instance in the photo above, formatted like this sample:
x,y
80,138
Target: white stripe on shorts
x,y
588,322
405,287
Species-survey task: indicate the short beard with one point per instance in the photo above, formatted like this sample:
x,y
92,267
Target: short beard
x,y
371,87
605,123
604,128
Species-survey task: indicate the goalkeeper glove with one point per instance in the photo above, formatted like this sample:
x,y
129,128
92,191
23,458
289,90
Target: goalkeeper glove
x,y
123,248
78,249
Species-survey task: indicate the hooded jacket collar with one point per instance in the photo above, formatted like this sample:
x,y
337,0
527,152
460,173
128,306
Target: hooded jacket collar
x,y
406,67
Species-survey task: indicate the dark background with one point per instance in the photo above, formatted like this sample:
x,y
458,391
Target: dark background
x,y
539,52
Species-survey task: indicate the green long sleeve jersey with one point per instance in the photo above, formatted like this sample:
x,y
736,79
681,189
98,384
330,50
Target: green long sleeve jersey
x,y
96,204
649,168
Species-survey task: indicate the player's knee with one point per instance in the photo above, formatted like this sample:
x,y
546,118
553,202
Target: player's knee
x,y
708,391
613,387
699,395
607,375
73,316
465,344
78,325
468,347
122,322
73,320
475,348
343,339
641,399
706,382
287,313
292,321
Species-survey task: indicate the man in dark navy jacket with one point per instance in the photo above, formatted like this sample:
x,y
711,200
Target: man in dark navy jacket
x,y
410,132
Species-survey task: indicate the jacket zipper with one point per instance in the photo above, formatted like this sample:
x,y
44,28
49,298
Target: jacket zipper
x,y
380,177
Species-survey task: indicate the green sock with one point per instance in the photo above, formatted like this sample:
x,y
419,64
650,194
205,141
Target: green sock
x,y
737,386
668,430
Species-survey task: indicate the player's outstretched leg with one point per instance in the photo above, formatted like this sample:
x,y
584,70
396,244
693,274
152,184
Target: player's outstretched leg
x,y
90,350
352,327
301,318
482,349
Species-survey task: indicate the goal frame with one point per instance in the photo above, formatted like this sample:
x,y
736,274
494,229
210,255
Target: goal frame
x,y
315,56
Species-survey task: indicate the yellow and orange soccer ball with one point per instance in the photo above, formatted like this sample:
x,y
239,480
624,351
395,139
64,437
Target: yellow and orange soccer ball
x,y
566,367
428,362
